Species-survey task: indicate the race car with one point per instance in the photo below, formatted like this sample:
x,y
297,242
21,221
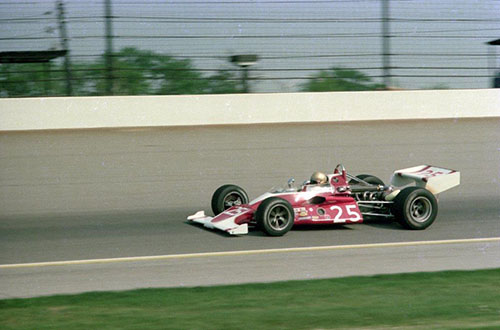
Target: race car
x,y
337,198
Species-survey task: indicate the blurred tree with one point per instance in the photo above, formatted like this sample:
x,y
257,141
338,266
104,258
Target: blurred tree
x,y
338,79
130,70
135,72
139,72
224,82
178,77
33,79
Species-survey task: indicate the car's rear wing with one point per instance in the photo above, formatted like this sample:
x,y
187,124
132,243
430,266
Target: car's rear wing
x,y
435,179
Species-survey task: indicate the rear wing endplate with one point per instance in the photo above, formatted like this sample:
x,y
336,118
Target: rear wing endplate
x,y
435,179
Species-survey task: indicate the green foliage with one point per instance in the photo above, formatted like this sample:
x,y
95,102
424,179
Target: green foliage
x,y
135,72
223,82
338,79
39,79
443,300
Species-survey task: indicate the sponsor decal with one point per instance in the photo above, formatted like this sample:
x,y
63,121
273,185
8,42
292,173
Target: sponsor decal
x,y
301,212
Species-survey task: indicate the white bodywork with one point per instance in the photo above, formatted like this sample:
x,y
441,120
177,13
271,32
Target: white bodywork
x,y
228,225
435,179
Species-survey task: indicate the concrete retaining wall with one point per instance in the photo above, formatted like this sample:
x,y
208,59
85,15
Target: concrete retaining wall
x,y
148,111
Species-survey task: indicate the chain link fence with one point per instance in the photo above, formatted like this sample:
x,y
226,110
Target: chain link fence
x,y
124,47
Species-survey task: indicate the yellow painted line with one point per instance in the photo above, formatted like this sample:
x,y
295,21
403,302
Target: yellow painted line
x,y
250,252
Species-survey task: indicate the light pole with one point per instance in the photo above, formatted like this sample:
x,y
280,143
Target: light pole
x,y
492,62
63,34
109,48
244,62
386,44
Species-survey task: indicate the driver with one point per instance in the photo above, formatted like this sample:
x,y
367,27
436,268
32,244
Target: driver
x,y
318,178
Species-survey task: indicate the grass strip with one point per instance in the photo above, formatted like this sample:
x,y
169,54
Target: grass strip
x,y
441,300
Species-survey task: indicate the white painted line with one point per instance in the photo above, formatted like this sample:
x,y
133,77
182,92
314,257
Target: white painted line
x,y
250,252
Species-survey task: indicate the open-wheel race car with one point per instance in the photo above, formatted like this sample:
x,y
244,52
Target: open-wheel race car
x,y
338,198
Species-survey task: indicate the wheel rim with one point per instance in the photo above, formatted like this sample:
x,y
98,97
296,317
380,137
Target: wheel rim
x,y
421,209
279,217
232,199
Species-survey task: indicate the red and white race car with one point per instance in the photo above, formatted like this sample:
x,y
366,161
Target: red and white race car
x,y
335,198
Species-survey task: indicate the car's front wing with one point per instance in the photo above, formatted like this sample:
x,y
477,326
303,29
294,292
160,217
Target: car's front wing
x,y
228,224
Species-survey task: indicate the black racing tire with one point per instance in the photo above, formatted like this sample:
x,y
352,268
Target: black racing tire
x,y
367,178
275,216
227,196
415,208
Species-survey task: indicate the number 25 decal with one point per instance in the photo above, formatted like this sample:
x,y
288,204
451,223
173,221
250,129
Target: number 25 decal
x,y
431,173
352,213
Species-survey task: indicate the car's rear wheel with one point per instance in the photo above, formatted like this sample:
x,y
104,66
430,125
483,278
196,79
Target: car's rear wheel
x,y
227,196
368,178
275,216
415,208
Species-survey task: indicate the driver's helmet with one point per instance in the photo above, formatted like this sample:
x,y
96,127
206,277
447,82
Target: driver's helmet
x,y
318,178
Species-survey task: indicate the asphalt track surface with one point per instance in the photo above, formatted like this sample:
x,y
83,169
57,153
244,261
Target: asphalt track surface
x,y
102,195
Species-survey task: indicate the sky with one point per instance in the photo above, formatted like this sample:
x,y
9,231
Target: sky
x,y
431,39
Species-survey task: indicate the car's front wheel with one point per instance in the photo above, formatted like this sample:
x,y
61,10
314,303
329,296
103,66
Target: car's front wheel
x,y
275,216
227,196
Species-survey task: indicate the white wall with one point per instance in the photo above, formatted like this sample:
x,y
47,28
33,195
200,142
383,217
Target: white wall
x,y
147,111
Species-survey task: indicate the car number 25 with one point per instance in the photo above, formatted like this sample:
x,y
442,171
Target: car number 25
x,y
345,213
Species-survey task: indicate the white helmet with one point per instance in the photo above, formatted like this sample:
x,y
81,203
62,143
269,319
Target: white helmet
x,y
319,178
